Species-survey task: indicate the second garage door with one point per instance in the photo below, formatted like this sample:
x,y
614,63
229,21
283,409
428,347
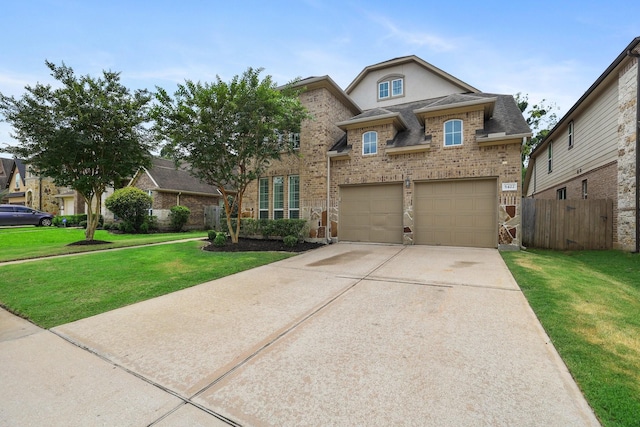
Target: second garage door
x,y
456,213
371,213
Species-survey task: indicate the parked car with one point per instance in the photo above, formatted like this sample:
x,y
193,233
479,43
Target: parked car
x,y
22,215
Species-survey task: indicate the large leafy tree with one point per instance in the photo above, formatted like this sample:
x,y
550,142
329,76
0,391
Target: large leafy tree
x,y
229,132
87,134
540,117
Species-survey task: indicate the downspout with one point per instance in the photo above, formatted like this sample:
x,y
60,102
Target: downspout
x,y
328,232
637,56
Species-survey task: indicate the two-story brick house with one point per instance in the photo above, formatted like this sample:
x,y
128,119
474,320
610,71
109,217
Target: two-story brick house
x,y
406,154
593,151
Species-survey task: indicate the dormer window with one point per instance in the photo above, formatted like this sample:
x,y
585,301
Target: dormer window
x,y
452,133
390,87
370,143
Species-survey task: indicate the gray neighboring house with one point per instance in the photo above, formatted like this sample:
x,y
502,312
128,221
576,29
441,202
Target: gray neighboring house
x,y
594,150
170,186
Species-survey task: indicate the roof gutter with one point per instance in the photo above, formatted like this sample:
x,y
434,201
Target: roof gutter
x,y
637,56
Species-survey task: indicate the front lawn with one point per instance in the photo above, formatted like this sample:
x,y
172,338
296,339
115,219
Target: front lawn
x,y
589,304
34,242
51,292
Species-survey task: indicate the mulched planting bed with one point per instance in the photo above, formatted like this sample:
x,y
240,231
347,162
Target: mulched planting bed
x,y
253,245
88,242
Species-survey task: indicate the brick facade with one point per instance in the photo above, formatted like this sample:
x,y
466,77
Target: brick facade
x,y
309,163
164,200
467,161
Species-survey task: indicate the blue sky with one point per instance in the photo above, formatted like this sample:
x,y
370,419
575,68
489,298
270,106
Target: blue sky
x,y
551,50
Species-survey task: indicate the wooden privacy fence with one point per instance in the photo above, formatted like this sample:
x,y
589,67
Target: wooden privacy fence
x,y
567,224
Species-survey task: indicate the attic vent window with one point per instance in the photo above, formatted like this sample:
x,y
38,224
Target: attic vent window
x,y
390,87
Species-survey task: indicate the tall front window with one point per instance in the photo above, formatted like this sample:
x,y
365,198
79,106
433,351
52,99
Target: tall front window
x,y
263,208
550,157
294,197
17,184
452,133
278,197
370,143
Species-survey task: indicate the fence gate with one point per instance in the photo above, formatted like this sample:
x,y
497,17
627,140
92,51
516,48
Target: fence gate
x,y
567,224
212,217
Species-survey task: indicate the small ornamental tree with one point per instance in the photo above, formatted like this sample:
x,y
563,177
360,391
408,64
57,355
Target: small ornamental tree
x,y
87,134
229,132
131,205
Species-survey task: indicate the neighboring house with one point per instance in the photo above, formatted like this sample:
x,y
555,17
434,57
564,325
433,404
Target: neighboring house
x,y
5,168
406,154
170,186
16,184
592,153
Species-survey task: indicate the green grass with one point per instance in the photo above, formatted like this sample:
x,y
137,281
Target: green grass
x,y
51,292
34,242
589,304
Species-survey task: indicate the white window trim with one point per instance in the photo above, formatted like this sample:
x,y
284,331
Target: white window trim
x,y
260,209
388,80
375,146
290,209
444,128
294,140
570,129
278,209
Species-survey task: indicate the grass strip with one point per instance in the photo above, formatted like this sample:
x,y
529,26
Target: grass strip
x,y
35,242
589,304
57,291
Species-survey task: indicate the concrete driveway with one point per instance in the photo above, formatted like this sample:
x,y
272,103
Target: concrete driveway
x,y
346,335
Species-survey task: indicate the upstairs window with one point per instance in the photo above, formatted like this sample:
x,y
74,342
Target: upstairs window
x,y
383,90
294,140
391,86
397,87
550,157
452,133
570,130
17,183
370,143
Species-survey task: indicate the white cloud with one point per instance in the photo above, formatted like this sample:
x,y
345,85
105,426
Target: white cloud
x,y
413,38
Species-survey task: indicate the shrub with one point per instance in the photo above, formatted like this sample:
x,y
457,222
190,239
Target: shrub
x,y
83,224
212,235
149,225
179,215
220,240
74,220
131,205
290,241
270,227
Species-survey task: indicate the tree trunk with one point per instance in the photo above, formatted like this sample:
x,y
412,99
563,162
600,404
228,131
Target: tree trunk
x,y
93,217
228,211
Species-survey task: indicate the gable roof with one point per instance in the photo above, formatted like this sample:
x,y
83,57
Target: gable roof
x,y
407,59
326,82
5,169
169,178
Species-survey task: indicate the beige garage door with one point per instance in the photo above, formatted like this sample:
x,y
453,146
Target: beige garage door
x,y
456,213
371,213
